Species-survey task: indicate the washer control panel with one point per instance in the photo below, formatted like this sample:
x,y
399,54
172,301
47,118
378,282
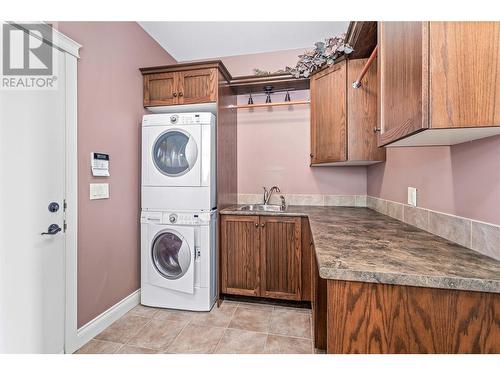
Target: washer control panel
x,y
176,218
185,218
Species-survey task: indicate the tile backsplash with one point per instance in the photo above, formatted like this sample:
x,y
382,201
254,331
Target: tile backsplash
x,y
307,199
476,235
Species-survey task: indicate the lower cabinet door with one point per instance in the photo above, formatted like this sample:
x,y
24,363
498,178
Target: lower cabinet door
x,y
240,257
280,248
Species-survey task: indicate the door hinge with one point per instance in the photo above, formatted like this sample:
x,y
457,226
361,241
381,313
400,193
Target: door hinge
x,y
65,226
65,205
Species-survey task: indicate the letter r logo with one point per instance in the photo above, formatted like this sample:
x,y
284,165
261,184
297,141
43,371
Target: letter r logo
x,y
27,49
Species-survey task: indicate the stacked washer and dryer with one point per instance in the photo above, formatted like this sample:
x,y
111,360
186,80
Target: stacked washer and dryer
x,y
178,217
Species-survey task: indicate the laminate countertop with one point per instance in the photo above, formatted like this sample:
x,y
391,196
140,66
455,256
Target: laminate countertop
x,y
359,244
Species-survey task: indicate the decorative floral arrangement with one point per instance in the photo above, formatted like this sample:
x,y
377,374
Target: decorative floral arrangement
x,y
324,53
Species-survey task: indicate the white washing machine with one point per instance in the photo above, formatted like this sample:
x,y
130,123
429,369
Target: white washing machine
x,y
178,259
179,161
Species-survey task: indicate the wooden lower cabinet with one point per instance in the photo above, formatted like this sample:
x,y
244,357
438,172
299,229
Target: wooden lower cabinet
x,y
280,255
262,256
381,318
240,259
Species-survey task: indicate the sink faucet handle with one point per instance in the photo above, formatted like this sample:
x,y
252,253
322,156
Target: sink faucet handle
x,y
283,201
265,194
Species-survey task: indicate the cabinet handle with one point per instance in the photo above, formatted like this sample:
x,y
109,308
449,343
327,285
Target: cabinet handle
x,y
175,95
376,130
180,94
262,225
256,225
311,155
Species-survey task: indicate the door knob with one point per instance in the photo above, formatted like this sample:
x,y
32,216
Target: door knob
x,y
53,206
53,229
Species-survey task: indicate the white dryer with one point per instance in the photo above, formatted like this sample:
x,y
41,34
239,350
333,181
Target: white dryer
x,y
178,259
179,161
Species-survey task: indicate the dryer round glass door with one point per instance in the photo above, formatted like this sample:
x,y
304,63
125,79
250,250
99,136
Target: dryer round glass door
x,y
174,153
171,255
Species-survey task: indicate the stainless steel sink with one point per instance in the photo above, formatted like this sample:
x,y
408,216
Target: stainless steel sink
x,y
263,208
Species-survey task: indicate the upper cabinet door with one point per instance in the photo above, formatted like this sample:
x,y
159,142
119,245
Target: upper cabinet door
x,y
403,74
465,74
197,86
160,89
280,247
328,115
240,256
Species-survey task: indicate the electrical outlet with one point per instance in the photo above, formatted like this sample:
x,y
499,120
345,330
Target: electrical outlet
x,y
412,196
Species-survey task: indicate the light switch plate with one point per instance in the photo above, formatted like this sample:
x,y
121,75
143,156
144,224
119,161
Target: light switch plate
x,y
99,191
412,196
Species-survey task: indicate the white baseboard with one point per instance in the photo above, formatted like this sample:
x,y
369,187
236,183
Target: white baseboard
x,y
101,322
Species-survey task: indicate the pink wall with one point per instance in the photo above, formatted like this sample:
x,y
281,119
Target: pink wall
x,y
462,180
273,144
109,115
243,65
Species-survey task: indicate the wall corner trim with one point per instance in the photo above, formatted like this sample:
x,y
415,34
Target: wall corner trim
x,y
103,321
59,40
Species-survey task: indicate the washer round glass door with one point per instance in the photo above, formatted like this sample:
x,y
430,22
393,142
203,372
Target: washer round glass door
x,y
171,255
174,153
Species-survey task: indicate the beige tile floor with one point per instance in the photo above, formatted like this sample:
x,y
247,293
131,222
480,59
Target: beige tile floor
x,y
235,327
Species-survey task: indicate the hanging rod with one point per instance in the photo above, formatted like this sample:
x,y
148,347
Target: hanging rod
x,y
277,104
357,83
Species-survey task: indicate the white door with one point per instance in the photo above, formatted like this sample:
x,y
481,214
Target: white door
x,y
32,173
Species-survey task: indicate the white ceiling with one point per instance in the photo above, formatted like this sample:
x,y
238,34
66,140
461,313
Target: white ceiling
x,y
203,40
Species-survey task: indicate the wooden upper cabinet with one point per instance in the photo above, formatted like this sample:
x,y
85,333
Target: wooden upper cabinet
x,y
435,77
464,67
240,257
343,118
403,87
362,143
197,86
185,83
280,249
160,89
328,115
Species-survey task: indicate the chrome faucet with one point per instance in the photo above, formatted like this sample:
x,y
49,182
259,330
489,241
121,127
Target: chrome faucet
x,y
268,194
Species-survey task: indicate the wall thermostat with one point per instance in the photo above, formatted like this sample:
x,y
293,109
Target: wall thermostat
x,y
100,164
